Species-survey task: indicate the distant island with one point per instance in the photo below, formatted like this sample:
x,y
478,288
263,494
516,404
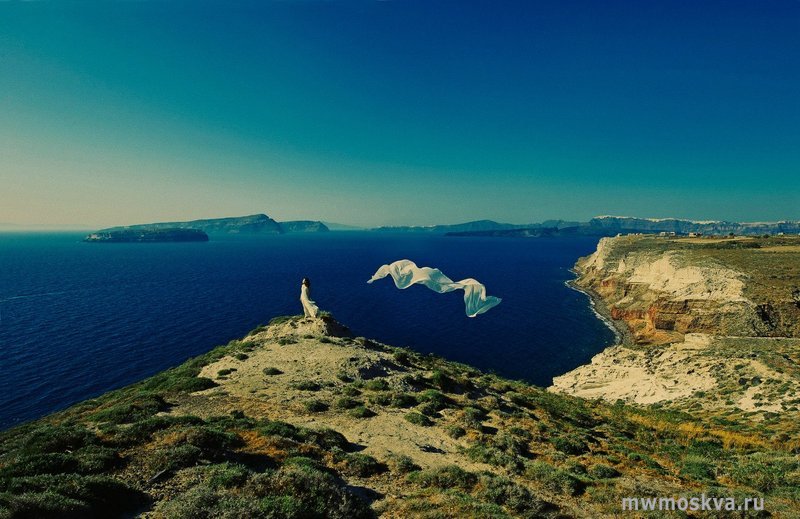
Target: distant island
x,y
146,236
602,226
526,232
256,224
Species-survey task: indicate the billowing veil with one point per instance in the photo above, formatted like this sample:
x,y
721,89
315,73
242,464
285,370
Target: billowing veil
x,y
406,273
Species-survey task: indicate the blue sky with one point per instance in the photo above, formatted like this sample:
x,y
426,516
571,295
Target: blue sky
x,y
399,112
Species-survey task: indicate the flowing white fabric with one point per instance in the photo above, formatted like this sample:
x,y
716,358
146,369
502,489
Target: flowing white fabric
x,y
406,273
310,308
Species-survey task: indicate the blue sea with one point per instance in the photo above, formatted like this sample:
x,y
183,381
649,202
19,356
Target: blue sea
x,y
78,319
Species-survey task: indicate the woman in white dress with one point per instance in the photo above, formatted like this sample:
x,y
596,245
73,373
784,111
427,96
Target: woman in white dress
x,y
310,308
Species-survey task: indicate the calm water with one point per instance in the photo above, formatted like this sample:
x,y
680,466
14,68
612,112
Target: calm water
x,y
79,319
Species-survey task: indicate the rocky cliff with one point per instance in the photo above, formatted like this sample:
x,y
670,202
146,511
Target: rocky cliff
x,y
244,225
303,226
708,323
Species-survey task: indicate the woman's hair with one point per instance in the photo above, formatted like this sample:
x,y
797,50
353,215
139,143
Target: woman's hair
x,y
306,282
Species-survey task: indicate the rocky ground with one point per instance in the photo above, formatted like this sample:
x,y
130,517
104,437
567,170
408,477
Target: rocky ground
x,y
709,323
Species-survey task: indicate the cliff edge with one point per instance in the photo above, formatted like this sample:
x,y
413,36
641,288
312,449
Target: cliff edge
x,y
709,324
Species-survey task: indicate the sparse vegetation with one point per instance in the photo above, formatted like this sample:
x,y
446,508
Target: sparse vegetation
x,y
347,403
361,412
315,406
419,419
547,447
376,384
307,385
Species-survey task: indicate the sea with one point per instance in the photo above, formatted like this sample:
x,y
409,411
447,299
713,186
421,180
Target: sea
x,y
78,319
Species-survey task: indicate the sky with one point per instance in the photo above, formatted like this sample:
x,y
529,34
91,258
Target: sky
x,y
398,112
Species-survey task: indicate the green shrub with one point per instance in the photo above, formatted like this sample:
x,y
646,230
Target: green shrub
x,y
490,454
475,414
141,431
139,408
519,432
174,457
553,479
33,464
285,341
324,438
67,495
211,440
43,505
225,372
403,400
418,419
449,476
272,371
228,475
184,378
350,391
696,468
247,345
442,381
434,397
361,412
570,444
511,444
428,409
276,428
766,472
52,438
344,377
518,399
318,492
315,406
376,384
503,491
303,461
258,329
361,465
603,471
380,399
325,340
295,491
402,464
307,385
347,403
455,431
241,356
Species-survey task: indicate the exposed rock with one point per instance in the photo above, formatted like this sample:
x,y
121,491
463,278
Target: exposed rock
x,y
699,321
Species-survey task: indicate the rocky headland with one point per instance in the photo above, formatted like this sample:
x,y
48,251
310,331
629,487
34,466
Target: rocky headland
x,y
255,224
709,324
302,419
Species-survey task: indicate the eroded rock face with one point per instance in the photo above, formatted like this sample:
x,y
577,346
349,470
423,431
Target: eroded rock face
x,y
656,293
701,322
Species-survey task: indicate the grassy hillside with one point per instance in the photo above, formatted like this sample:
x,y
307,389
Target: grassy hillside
x,y
300,420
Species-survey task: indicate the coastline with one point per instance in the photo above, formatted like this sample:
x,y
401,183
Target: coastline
x,y
622,335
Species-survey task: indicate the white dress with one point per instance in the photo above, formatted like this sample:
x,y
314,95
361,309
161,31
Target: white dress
x,y
406,273
310,308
